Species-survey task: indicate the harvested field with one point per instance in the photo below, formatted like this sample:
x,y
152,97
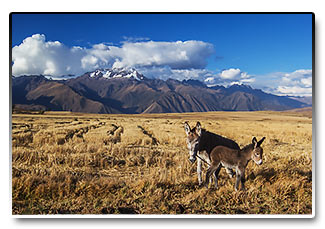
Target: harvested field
x,y
70,163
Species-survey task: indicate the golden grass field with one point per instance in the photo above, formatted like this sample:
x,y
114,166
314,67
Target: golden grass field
x,y
68,163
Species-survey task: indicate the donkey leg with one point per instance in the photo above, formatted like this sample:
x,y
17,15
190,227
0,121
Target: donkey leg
x,y
209,173
211,178
216,173
237,179
199,170
230,172
242,178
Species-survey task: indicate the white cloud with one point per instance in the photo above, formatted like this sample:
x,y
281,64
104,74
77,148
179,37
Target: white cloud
x,y
307,81
210,80
301,77
166,72
247,80
235,83
294,91
296,83
229,77
299,73
176,55
35,55
198,74
231,73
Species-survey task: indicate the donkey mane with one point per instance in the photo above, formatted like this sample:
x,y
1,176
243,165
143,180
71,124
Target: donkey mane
x,y
247,147
209,140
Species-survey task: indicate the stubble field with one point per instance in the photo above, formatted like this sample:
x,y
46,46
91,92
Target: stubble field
x,y
67,163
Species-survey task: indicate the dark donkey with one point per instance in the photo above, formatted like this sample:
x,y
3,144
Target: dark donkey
x,y
201,142
235,159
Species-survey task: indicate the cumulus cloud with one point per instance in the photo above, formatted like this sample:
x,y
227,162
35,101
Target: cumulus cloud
x,y
299,73
231,73
176,55
297,83
35,55
229,77
295,91
298,77
307,81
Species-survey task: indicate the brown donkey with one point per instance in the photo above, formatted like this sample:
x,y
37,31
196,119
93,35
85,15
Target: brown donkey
x,y
234,159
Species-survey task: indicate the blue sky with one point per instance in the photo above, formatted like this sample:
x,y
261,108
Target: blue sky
x,y
259,49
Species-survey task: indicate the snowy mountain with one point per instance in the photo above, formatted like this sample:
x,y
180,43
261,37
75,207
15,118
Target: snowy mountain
x,y
128,91
117,73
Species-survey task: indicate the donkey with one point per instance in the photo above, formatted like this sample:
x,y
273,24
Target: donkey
x,y
201,142
236,159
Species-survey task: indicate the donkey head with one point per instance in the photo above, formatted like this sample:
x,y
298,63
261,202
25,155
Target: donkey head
x,y
257,153
192,140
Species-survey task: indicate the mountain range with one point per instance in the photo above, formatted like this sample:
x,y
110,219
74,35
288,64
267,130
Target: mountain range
x,y
128,91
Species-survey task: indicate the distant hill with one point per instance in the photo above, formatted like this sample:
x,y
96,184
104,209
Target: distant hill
x,y
127,91
304,99
306,111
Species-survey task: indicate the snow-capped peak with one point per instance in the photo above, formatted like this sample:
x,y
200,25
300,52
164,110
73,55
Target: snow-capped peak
x,y
110,73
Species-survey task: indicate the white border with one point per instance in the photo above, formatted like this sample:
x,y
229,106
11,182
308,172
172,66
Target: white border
x,y
168,5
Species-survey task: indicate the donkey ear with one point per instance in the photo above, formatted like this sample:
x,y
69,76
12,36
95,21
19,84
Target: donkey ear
x,y
254,141
198,128
187,128
261,141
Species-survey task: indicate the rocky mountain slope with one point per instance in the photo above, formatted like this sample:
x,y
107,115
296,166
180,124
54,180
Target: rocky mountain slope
x,y
128,91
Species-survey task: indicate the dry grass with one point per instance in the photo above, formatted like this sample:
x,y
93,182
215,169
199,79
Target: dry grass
x,y
64,163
